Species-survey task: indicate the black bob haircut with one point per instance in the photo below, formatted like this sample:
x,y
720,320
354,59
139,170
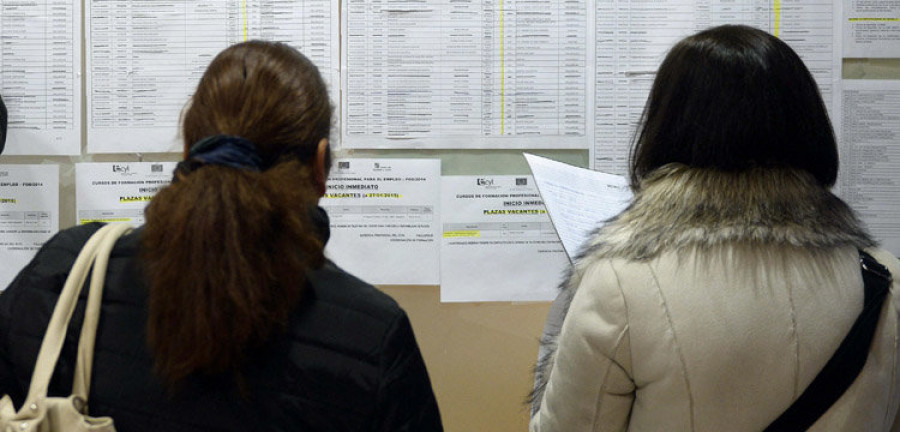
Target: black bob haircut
x,y
732,98
3,124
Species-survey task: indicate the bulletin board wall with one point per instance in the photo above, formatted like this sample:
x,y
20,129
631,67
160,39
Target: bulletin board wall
x,y
479,355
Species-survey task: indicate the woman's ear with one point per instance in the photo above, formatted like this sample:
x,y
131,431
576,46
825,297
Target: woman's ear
x,y
319,172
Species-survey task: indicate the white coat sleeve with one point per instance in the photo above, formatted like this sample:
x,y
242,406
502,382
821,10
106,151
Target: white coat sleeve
x,y
590,387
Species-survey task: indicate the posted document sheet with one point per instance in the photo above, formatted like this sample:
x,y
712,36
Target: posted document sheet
x,y
869,179
633,37
40,76
29,214
579,200
465,74
144,58
871,28
498,242
118,191
385,216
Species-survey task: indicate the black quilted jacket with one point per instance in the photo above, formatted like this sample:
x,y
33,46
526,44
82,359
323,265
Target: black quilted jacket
x,y
349,361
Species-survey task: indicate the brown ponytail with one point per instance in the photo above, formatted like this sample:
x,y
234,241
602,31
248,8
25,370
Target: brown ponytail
x,y
226,250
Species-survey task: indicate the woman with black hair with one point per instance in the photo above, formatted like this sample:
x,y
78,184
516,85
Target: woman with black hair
x,y
222,313
3,123
717,296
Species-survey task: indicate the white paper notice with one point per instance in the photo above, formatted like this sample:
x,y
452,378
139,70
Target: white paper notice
x,y
29,214
633,37
465,74
144,58
385,219
870,156
498,242
118,192
40,76
871,28
579,200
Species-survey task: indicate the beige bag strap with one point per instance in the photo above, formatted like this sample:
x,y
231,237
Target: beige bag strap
x,y
95,251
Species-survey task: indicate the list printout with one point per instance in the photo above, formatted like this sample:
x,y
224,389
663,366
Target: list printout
x,y
870,156
40,76
118,191
29,214
465,74
578,200
498,242
632,38
145,58
871,28
385,219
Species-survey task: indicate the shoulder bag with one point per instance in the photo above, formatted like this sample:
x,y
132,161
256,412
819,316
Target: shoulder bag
x,y
848,361
40,413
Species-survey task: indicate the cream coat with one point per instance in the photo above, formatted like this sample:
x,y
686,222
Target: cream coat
x,y
710,304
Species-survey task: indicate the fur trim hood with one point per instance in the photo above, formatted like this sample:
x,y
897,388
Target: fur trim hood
x,y
679,207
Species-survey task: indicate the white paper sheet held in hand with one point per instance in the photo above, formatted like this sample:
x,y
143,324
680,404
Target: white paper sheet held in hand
x,y
384,219
498,243
579,200
29,214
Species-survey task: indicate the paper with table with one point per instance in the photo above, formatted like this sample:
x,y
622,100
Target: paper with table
x,y
29,214
385,216
465,74
498,243
145,58
118,191
579,200
40,76
633,37
869,179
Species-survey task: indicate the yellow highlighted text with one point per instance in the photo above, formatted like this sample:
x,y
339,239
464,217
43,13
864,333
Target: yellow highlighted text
x,y
475,233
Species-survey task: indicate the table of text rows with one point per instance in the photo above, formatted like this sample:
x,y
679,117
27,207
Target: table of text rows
x,y
364,213
38,59
146,56
466,68
499,229
25,219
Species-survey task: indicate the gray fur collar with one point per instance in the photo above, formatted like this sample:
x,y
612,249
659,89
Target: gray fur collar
x,y
679,207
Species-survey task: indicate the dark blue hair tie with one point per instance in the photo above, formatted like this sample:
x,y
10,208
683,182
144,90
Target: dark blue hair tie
x,y
226,150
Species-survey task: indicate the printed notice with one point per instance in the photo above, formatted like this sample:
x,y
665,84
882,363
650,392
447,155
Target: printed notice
x,y
871,28
119,191
632,38
465,74
498,242
145,58
29,214
385,219
40,76
870,157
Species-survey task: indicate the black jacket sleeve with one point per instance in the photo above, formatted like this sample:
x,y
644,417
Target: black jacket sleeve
x,y
9,385
405,400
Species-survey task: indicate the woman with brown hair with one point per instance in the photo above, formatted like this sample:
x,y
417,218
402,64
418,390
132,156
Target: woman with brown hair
x,y
221,312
